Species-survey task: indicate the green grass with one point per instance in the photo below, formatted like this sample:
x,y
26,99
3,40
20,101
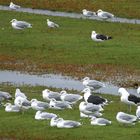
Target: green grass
x,y
18,126
123,8
69,44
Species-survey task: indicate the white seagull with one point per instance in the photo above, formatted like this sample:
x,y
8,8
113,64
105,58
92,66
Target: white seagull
x,y
44,115
95,114
59,105
20,25
88,13
5,95
51,24
103,14
128,98
99,37
19,93
125,118
100,121
48,95
61,123
93,84
89,108
39,105
97,100
11,108
71,98
138,112
13,6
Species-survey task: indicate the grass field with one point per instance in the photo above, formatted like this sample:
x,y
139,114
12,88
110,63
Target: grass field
x,y
121,8
68,48
23,127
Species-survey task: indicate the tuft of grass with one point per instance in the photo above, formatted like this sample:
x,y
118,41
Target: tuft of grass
x,y
121,8
18,126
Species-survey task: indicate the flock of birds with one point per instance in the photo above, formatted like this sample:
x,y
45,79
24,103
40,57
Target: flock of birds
x,y
20,25
90,106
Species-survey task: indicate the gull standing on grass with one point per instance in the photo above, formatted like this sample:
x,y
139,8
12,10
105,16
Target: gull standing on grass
x,y
13,6
39,105
99,37
48,95
93,84
103,14
20,25
125,118
88,13
51,24
70,98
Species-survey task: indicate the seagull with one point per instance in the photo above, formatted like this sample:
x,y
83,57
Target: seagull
x,y
103,14
99,37
89,108
89,98
100,121
48,95
13,6
59,105
23,103
20,25
5,95
128,98
71,98
52,24
138,90
44,115
93,84
125,118
11,108
19,93
61,123
39,105
95,114
88,13
138,112
54,121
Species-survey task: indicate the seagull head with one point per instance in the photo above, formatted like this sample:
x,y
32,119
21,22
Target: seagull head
x,y
48,20
86,79
63,92
7,104
33,100
93,32
87,89
13,20
99,11
93,118
84,10
123,91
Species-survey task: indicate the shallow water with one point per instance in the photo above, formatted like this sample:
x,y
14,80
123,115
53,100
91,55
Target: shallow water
x,y
52,80
70,15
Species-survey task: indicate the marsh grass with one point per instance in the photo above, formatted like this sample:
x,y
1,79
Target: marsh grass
x,y
18,126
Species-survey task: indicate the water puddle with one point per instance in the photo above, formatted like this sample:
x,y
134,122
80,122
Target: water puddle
x,y
52,80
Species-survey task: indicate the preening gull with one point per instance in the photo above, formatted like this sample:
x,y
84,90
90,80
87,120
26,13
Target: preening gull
x,y
61,123
99,37
99,121
39,105
138,112
13,6
97,100
93,84
128,98
23,103
20,25
19,93
88,13
89,108
11,108
59,105
48,95
71,98
44,115
51,24
125,118
104,15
